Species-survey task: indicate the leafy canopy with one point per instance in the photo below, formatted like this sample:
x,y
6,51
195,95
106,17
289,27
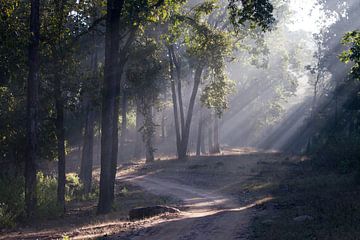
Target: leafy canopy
x,y
352,39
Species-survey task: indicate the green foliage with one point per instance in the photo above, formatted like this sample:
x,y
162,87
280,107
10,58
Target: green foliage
x,y
65,237
352,39
256,13
73,187
216,91
46,196
11,200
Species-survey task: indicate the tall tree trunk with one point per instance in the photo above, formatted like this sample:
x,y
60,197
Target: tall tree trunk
x,y
87,153
163,121
60,135
200,134
148,133
210,136
88,145
179,87
186,131
124,109
175,105
32,110
59,106
108,124
138,141
163,127
216,148
202,143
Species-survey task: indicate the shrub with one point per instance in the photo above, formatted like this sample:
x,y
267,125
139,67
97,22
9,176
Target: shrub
x,y
73,188
11,200
12,196
341,153
46,196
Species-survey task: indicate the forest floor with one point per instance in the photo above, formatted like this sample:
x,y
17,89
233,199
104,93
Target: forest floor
x,y
239,194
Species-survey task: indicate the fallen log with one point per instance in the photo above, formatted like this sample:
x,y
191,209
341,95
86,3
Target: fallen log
x,y
146,212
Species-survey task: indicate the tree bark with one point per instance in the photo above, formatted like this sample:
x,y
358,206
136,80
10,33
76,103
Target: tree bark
x,y
179,88
124,109
108,124
163,127
138,141
60,136
59,106
175,105
88,145
216,148
148,134
200,135
87,153
32,111
210,136
186,131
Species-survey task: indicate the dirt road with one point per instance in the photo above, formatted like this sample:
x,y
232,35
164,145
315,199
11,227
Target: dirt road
x,y
206,215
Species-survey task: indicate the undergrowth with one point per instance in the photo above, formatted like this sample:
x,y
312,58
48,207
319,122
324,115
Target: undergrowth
x,y
12,197
328,201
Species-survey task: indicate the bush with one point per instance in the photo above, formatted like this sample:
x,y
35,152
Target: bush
x,y
11,200
13,195
47,196
341,153
73,188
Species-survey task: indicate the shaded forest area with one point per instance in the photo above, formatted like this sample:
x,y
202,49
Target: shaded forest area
x,y
92,88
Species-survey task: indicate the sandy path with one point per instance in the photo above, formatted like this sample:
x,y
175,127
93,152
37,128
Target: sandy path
x,y
207,216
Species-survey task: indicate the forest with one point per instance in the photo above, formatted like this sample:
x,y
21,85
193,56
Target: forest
x,y
180,119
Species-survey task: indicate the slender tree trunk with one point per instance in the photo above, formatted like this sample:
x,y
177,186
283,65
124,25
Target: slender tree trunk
x,y
202,143
32,111
59,106
216,148
210,136
163,132
124,109
60,135
175,105
200,134
108,124
163,121
88,146
179,87
148,134
87,153
138,141
186,131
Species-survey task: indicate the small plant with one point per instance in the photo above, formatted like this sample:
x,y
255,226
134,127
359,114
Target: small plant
x,y
46,193
74,187
124,191
65,237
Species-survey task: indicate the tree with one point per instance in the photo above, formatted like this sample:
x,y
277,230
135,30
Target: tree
x,y
32,110
352,39
146,77
208,46
90,94
109,117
